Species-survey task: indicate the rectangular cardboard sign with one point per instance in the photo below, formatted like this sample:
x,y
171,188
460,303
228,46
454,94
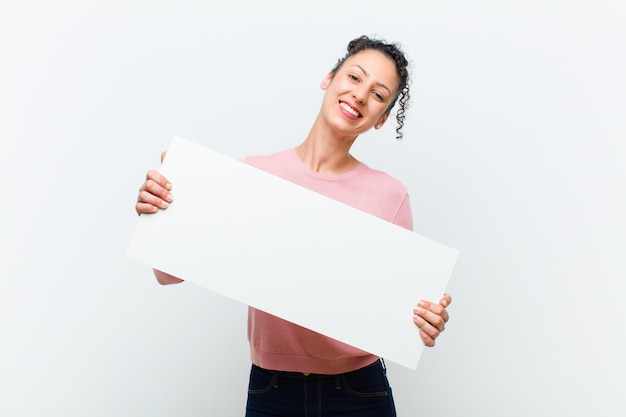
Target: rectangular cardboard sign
x,y
279,247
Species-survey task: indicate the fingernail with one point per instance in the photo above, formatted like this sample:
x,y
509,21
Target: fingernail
x,y
165,205
168,186
170,197
423,304
419,310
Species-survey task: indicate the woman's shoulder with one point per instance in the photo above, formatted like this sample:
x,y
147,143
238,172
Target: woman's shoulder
x,y
272,158
282,163
383,179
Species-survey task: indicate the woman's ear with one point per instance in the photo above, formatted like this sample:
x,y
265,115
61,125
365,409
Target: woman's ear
x,y
326,81
381,121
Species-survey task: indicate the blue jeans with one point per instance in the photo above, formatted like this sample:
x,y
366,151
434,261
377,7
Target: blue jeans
x,y
364,393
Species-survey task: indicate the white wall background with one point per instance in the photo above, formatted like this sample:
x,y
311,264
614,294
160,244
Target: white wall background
x,y
514,154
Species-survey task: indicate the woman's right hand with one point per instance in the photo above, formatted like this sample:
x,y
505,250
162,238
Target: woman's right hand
x,y
154,193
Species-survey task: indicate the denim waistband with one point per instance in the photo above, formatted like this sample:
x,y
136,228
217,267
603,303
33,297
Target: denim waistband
x,y
301,375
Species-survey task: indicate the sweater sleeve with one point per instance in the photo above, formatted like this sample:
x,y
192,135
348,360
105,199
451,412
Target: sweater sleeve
x,y
404,215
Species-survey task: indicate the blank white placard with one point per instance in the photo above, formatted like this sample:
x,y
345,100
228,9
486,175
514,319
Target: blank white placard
x,y
266,242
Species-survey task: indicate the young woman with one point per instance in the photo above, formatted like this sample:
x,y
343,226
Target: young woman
x,y
295,371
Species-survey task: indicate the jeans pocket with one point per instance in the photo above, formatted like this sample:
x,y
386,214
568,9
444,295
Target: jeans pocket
x,y
261,381
372,386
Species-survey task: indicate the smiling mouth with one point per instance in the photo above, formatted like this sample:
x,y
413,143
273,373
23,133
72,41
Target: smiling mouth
x,y
349,109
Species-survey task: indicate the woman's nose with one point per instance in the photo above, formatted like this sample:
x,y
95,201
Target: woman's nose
x,y
359,95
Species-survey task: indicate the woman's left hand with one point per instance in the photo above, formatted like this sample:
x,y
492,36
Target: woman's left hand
x,y
431,318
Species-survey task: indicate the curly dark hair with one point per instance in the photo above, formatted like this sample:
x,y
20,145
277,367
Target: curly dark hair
x,y
393,52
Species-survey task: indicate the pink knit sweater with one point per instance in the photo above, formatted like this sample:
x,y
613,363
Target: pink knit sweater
x,y
281,345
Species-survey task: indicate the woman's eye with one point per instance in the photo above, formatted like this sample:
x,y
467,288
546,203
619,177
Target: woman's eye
x,y
378,96
353,77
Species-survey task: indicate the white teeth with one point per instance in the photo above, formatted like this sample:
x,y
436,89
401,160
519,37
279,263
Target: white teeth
x,y
350,109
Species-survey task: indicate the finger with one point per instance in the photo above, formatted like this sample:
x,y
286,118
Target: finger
x,y
428,335
428,341
435,320
431,329
159,179
148,197
436,310
445,300
156,190
163,155
145,208
157,185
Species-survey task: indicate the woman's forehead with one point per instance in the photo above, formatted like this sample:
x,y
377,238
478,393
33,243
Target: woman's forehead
x,y
374,63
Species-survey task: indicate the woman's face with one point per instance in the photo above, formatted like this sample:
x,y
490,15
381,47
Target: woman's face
x,y
359,93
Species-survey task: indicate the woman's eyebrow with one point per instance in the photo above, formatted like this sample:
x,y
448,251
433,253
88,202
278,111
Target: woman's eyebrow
x,y
367,74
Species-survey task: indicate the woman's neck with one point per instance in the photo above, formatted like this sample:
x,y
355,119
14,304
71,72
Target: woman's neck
x,y
322,151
